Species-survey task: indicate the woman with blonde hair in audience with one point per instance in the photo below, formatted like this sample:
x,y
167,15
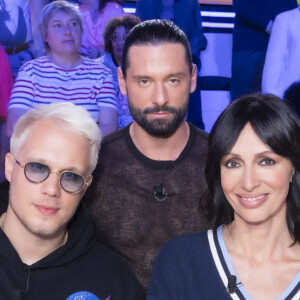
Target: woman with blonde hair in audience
x,y
64,75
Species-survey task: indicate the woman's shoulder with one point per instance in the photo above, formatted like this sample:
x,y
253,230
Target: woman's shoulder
x,y
183,251
95,68
105,57
107,60
93,64
39,62
186,244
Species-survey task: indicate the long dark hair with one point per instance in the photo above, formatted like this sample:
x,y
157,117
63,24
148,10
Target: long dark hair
x,y
276,124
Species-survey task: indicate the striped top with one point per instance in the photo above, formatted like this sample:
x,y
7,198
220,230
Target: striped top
x,y
40,81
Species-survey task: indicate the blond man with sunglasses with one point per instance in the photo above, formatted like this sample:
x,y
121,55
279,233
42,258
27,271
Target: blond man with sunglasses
x,y
49,248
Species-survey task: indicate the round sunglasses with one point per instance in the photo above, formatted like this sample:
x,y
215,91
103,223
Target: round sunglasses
x,y
37,172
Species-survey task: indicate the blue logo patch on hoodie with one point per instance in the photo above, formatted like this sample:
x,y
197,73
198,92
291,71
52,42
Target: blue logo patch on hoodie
x,y
83,295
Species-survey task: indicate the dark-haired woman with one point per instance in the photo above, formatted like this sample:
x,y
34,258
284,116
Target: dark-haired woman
x,y
253,176
115,35
95,16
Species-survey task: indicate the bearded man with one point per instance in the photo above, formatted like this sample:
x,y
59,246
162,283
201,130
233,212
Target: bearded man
x,y
150,176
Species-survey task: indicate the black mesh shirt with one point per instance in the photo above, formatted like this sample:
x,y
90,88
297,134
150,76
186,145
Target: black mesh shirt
x,y
129,218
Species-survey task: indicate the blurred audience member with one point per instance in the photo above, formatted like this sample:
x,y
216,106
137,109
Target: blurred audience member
x,y
63,75
292,95
6,83
282,66
19,33
253,25
184,13
95,15
115,34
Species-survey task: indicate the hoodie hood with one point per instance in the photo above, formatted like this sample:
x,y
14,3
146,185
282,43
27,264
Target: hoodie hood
x,y
81,238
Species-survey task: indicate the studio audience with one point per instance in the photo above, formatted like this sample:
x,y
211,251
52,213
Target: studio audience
x,y
64,75
252,28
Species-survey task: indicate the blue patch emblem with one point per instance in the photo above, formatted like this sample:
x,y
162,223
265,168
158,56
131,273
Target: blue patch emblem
x,y
83,295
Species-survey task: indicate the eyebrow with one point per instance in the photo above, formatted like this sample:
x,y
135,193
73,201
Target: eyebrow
x,y
58,20
178,74
256,154
141,77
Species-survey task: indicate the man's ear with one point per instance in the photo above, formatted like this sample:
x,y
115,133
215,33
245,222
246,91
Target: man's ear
x,y
9,165
292,175
122,82
88,183
194,76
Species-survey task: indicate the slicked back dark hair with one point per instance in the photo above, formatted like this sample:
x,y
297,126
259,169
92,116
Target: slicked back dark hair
x,y
152,33
276,124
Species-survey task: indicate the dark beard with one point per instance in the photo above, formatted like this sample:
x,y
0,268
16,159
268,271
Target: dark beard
x,y
159,127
